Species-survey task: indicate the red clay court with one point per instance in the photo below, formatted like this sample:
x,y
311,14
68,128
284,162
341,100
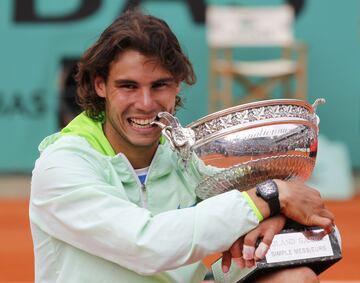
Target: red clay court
x,y
16,256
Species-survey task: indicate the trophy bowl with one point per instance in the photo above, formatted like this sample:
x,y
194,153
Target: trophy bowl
x,y
249,143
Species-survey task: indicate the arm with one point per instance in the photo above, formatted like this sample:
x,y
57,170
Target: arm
x,y
299,203
71,200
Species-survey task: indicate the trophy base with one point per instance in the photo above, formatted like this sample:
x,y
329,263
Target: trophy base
x,y
294,246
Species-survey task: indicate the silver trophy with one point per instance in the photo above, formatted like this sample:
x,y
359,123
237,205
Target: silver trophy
x,y
251,143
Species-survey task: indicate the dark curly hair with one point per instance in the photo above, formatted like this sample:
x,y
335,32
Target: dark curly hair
x,y
146,34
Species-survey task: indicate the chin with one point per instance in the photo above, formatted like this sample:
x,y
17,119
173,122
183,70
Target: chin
x,y
146,142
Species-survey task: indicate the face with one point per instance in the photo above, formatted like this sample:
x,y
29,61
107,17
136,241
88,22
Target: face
x,y
136,90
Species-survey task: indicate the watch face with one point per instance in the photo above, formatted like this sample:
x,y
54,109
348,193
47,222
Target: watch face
x,y
268,190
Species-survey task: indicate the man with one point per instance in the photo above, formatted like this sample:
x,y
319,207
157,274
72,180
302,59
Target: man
x,y
109,202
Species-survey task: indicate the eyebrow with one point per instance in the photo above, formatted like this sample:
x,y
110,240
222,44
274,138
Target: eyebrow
x,y
120,81
126,81
165,80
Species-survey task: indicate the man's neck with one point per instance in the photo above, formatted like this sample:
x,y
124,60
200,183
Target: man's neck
x,y
141,158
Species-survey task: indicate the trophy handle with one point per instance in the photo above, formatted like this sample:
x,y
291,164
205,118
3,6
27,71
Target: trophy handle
x,y
181,139
316,103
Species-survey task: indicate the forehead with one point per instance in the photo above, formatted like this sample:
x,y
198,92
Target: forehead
x,y
134,63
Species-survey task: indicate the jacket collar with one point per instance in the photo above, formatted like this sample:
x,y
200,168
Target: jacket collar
x,y
83,126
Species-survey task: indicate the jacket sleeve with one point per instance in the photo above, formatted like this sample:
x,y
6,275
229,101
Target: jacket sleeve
x,y
72,202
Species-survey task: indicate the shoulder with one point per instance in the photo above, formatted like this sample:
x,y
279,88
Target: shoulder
x,y
68,151
65,165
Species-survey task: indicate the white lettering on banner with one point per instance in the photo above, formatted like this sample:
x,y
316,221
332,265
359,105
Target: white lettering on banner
x,y
295,246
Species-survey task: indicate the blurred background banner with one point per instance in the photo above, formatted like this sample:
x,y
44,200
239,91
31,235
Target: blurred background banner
x,y
41,40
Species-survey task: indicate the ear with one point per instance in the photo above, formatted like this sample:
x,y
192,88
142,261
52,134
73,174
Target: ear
x,y
178,88
100,86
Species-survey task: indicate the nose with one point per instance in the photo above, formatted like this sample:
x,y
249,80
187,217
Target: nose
x,y
145,100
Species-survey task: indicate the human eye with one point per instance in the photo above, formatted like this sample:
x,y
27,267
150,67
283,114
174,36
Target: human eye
x,y
128,86
161,84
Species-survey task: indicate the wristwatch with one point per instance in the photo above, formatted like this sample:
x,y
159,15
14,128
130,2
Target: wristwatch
x,y
269,192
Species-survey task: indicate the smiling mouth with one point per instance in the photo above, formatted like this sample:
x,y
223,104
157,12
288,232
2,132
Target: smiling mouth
x,y
142,123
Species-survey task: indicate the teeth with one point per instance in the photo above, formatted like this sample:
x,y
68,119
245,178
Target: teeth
x,y
142,123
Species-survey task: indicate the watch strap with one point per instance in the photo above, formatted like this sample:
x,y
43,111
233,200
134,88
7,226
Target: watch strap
x,y
272,199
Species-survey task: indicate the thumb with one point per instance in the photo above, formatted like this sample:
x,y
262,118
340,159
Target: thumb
x,y
323,222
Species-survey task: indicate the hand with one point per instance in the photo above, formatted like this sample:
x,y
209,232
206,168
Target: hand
x,y
243,251
304,205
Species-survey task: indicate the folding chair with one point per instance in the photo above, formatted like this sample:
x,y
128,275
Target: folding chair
x,y
231,29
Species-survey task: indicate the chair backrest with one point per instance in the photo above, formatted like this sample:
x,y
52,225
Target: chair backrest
x,y
232,26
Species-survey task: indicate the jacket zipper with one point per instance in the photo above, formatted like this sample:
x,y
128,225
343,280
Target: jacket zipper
x,y
143,193
143,188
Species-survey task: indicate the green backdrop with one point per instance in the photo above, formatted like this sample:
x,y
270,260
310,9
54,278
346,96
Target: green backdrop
x,y
31,54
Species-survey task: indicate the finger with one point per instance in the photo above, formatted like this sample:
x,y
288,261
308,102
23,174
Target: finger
x,y
323,222
248,252
261,251
226,261
239,262
249,263
268,236
236,248
328,214
251,237
328,229
265,243
249,244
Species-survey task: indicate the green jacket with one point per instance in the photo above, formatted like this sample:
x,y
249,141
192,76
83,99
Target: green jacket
x,y
92,221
